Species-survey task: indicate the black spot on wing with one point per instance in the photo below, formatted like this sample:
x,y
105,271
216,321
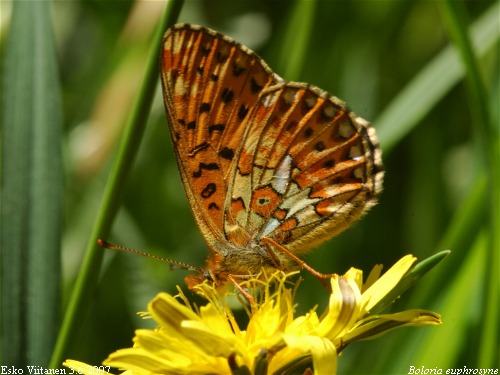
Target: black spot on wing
x,y
226,153
227,95
205,166
208,190
242,112
216,127
205,107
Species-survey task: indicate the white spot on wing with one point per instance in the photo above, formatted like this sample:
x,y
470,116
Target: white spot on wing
x,y
269,99
345,129
359,173
270,226
355,152
310,101
329,111
282,175
298,202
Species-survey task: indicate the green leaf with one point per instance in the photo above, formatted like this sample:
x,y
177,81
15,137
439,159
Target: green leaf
x,y
31,201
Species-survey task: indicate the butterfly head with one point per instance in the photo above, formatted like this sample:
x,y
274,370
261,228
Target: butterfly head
x,y
209,273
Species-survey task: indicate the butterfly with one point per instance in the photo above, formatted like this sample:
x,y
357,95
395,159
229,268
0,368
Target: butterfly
x,y
270,168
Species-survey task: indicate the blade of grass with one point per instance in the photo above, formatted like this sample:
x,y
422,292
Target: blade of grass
x,y
425,90
454,17
129,144
487,145
297,34
31,201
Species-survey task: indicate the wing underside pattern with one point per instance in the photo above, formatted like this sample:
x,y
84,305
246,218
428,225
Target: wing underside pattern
x,y
260,157
308,167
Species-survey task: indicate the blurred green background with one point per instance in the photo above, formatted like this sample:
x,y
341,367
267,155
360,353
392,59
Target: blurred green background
x,y
392,61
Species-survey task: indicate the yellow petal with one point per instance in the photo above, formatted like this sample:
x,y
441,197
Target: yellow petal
x,y
142,361
386,283
216,320
264,322
372,277
304,325
356,276
165,344
78,367
208,340
168,312
343,308
323,352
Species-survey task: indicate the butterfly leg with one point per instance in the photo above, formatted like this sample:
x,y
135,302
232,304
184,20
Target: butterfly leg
x,y
243,292
320,276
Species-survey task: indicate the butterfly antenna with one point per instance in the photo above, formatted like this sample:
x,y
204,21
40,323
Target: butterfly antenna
x,y
111,246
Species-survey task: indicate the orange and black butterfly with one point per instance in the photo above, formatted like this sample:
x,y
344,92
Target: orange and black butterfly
x,y
271,168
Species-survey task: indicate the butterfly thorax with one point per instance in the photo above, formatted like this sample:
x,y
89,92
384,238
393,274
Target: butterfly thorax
x,y
241,263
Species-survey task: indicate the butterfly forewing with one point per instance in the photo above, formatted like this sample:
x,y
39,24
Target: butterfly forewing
x,y
210,83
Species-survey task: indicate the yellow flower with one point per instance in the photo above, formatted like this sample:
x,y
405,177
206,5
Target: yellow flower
x,y
209,341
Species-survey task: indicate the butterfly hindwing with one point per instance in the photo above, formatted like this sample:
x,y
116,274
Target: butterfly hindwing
x,y
307,169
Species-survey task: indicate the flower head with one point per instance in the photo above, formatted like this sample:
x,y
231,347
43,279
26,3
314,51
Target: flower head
x,y
207,340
